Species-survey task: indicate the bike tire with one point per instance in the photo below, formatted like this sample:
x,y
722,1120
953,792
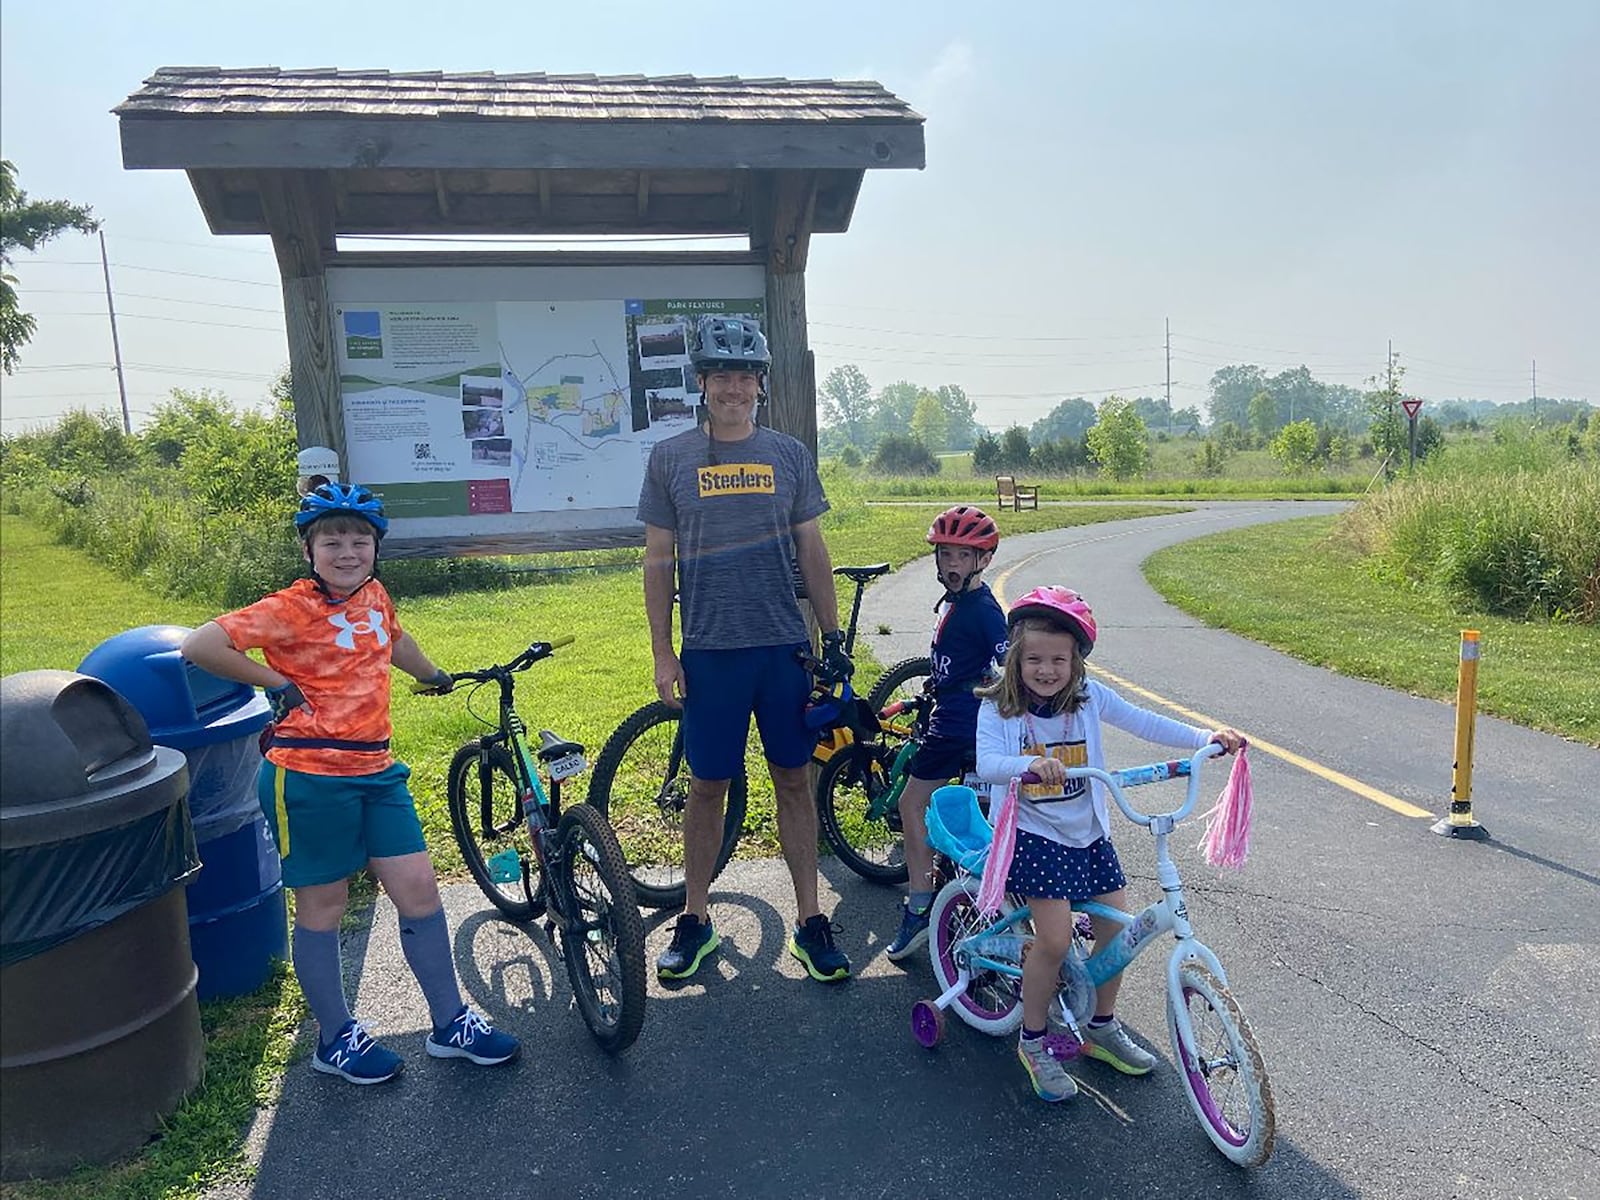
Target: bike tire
x,y
846,787
992,1003
900,682
1223,1073
487,820
640,784
604,950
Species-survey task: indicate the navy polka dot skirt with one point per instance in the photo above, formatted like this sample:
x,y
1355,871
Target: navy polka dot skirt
x,y
1047,869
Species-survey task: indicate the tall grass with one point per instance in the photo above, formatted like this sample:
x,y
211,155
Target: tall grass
x,y
1508,525
1091,486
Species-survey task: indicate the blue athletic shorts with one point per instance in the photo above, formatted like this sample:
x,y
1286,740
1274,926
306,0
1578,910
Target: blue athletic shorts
x,y
327,826
943,759
724,688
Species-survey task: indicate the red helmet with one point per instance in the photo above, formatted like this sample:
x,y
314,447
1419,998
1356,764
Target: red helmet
x,y
964,525
1060,606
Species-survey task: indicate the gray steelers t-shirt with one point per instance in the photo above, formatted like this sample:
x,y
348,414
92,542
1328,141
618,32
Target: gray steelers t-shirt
x,y
732,519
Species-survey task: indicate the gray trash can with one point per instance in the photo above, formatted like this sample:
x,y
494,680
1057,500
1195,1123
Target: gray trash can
x,y
99,1026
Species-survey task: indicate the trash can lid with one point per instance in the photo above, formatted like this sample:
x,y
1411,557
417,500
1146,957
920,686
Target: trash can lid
x,y
183,705
76,758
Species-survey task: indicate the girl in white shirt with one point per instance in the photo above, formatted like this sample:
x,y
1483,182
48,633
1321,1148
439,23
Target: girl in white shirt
x,y
1043,716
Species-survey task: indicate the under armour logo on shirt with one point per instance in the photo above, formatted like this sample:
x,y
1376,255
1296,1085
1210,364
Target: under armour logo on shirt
x,y
346,640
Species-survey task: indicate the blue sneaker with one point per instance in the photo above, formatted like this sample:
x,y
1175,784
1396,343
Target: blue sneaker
x,y
354,1056
692,940
812,944
913,933
469,1036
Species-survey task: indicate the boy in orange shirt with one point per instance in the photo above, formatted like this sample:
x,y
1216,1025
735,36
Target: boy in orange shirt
x,y
335,797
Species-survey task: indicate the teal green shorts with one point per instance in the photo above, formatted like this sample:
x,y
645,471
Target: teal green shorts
x,y
327,826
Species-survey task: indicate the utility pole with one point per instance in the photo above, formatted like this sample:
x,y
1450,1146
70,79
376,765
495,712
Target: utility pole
x,y
116,348
1169,364
1536,391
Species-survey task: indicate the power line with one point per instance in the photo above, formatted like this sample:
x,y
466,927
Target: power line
x,y
979,337
127,316
67,262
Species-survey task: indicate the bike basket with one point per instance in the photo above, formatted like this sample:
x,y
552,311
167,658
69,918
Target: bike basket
x,y
956,827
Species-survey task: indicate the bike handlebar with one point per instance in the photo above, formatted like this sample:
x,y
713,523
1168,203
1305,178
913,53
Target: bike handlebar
x,y
1115,781
521,662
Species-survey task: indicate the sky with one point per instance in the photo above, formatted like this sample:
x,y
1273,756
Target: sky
x,y
1285,184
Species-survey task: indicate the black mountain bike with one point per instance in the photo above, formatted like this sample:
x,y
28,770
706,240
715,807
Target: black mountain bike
x,y
532,859
641,781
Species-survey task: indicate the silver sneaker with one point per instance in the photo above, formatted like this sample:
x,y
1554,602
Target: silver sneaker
x,y
1111,1044
1049,1078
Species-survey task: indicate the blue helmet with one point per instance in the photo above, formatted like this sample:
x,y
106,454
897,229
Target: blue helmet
x,y
729,344
331,498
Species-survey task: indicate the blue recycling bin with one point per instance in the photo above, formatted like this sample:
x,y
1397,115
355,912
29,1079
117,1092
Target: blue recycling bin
x,y
238,922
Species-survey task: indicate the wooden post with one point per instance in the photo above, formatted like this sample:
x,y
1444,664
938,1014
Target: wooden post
x,y
781,216
299,211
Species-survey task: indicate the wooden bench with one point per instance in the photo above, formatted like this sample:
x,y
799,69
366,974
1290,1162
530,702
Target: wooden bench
x,y
1008,493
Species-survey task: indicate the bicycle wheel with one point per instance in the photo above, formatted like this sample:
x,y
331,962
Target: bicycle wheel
x,y
640,785
486,817
1223,1073
846,787
604,945
992,1002
900,682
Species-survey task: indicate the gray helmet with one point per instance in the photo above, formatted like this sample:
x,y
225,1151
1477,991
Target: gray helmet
x,y
729,344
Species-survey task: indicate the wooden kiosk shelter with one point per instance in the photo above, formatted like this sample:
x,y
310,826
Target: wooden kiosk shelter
x,y
308,155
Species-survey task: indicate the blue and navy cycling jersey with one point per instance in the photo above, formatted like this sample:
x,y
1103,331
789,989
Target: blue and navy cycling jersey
x,y
968,639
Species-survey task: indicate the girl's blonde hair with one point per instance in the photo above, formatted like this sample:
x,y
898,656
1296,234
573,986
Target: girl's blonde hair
x,y
1010,694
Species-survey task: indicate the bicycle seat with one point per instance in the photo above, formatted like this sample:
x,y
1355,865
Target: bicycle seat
x,y
862,574
957,829
552,747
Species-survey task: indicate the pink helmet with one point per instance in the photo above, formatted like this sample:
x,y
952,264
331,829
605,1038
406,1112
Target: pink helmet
x,y
964,525
1061,606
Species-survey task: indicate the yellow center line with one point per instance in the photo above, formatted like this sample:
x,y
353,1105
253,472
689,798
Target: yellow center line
x,y
1337,778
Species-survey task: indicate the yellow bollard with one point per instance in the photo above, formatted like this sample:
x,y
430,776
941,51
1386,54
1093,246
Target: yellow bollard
x,y
1459,824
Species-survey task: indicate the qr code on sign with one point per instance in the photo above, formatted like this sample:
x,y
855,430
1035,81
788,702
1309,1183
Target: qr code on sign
x,y
420,450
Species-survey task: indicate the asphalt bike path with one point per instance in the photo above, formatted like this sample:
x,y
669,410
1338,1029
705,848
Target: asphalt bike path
x,y
1426,1007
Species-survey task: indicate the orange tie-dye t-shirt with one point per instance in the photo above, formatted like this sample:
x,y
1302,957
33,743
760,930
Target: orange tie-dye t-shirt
x,y
338,655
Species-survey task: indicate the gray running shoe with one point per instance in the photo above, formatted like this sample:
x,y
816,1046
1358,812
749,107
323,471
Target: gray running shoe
x,y
1111,1044
1049,1078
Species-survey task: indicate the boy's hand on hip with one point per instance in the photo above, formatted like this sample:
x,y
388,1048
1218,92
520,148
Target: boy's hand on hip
x,y
284,700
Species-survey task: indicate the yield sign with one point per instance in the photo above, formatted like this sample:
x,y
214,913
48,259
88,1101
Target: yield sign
x,y
1411,407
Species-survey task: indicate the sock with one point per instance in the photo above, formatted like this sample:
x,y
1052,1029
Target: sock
x,y
1101,1020
321,975
919,902
1032,1035
426,942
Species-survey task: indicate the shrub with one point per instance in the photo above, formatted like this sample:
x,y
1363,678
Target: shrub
x,y
899,454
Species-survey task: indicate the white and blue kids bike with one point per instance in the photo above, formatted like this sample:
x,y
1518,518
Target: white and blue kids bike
x,y
978,963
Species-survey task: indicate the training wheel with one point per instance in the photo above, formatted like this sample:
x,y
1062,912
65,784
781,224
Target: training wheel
x,y
927,1023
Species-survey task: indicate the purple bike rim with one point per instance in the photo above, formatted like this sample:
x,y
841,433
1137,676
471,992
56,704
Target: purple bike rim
x,y
1200,1087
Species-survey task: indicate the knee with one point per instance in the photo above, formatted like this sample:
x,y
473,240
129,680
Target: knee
x,y
705,793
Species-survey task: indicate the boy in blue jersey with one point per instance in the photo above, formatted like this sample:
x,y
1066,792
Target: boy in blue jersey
x,y
968,639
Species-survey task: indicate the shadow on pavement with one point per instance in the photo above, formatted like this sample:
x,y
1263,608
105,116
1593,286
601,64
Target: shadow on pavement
x,y
748,1080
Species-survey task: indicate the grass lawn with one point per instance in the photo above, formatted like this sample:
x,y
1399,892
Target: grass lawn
x,y
1299,587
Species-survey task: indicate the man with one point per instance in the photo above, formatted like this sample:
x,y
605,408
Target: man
x,y
730,508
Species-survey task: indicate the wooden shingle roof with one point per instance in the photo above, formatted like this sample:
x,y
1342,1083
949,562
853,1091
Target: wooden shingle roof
x,y
271,92
485,153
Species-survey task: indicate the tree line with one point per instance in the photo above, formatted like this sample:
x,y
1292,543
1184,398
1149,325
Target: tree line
x,y
1303,422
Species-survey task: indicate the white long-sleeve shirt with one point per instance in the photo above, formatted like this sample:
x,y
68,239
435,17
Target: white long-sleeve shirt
x,y
1074,815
